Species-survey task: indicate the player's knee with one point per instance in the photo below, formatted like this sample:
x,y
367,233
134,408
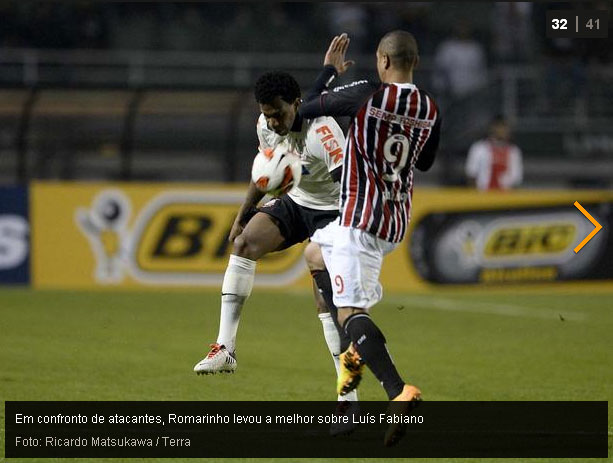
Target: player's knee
x,y
345,312
313,257
247,247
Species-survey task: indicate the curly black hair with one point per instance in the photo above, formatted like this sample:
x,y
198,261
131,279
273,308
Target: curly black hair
x,y
274,84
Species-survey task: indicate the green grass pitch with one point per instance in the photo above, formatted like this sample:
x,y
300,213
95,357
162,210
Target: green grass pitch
x,y
456,345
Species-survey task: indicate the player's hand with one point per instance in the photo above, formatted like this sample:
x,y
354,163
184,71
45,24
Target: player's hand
x,y
236,230
335,55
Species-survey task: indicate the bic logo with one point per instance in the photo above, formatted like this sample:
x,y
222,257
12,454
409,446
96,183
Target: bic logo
x,y
178,238
532,239
184,237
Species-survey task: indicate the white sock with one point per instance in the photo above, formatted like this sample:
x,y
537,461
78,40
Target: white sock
x,y
236,288
333,340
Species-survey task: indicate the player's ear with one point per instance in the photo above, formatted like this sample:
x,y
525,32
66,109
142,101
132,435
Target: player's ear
x,y
416,62
297,102
387,61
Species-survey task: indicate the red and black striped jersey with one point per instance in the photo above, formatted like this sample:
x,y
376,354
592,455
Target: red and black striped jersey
x,y
395,127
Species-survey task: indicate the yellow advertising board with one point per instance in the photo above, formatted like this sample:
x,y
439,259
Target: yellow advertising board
x,y
144,235
463,238
90,235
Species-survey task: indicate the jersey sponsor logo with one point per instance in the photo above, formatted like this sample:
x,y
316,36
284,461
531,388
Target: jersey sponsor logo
x,y
176,239
409,122
330,143
398,196
350,85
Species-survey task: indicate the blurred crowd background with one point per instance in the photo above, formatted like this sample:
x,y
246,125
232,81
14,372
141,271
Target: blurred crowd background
x,y
162,91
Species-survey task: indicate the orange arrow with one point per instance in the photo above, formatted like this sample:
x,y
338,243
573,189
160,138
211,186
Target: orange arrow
x,y
594,231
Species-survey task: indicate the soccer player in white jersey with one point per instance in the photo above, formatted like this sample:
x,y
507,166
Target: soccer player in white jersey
x,y
284,221
395,127
495,163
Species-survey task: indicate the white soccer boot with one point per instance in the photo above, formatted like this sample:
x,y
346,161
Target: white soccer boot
x,y
218,360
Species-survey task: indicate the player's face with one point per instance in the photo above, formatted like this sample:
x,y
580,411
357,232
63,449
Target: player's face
x,y
280,115
501,131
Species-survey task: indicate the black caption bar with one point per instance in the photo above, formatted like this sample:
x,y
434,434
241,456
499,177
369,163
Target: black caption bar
x,y
302,430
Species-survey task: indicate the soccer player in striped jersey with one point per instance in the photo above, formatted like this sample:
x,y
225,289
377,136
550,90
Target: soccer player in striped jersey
x,y
395,127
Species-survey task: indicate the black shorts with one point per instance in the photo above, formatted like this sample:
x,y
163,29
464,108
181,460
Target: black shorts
x,y
296,223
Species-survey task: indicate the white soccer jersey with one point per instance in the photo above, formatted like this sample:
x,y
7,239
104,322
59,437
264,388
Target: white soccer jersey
x,y
494,165
320,147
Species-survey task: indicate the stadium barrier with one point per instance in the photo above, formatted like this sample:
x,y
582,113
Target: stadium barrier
x,y
130,235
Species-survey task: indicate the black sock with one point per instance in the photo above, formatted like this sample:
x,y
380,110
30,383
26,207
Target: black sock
x,y
322,280
370,344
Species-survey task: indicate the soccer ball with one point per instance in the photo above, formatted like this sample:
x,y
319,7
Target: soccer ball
x,y
276,171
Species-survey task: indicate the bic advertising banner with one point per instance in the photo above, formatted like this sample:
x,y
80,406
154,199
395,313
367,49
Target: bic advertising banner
x,y
91,235
14,235
88,235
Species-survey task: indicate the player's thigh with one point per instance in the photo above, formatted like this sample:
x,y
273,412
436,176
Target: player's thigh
x,y
355,266
286,214
260,236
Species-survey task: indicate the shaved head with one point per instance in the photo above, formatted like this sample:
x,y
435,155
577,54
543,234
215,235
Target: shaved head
x,y
401,48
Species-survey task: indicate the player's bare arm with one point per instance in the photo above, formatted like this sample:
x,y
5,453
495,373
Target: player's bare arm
x,y
253,197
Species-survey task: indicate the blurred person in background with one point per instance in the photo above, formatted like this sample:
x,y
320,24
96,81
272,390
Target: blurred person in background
x,y
495,163
352,18
414,17
566,77
134,27
183,29
512,31
460,64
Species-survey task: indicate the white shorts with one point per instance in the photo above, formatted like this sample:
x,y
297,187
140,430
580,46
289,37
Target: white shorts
x,y
353,258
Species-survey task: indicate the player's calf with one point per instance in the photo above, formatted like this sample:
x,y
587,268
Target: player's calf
x,y
369,343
